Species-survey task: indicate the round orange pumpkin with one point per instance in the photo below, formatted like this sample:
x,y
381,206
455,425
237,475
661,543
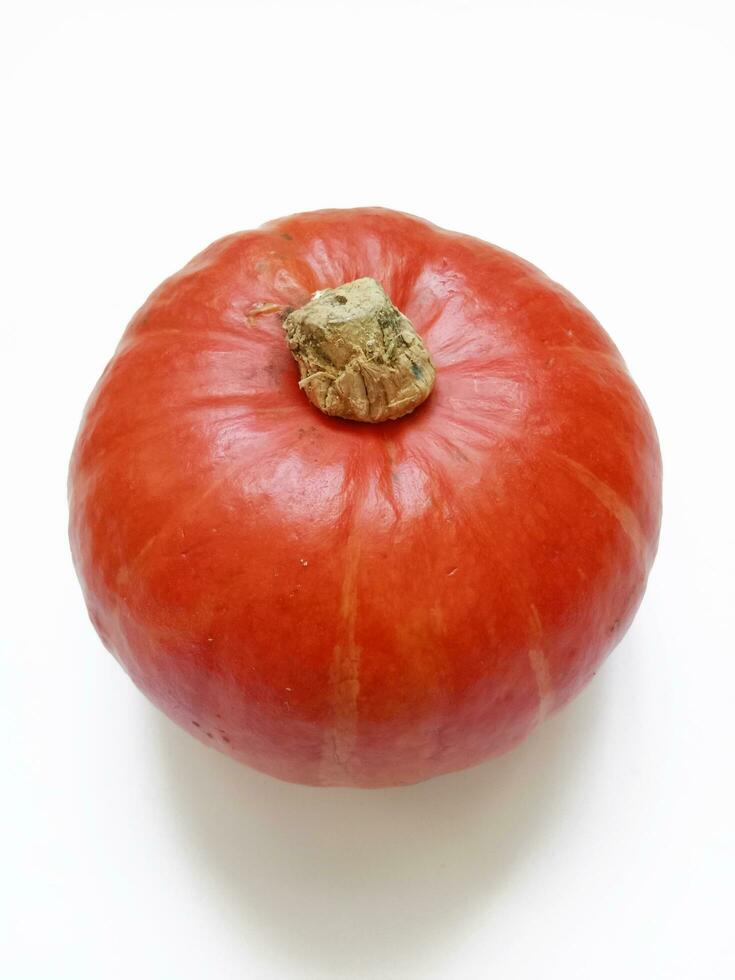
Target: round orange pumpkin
x,y
342,602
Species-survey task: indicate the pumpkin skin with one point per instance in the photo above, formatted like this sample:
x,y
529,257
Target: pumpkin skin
x,y
338,603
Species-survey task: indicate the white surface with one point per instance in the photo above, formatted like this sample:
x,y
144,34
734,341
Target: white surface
x,y
592,139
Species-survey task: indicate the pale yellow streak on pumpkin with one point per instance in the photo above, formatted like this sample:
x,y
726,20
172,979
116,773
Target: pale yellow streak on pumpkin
x,y
539,664
610,500
344,677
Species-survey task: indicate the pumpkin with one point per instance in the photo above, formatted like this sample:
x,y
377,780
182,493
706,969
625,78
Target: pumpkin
x,y
359,501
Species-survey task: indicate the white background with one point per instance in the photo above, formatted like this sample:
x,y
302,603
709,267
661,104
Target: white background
x,y
592,138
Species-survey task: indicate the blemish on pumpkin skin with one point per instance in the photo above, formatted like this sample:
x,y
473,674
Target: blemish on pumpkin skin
x,y
259,309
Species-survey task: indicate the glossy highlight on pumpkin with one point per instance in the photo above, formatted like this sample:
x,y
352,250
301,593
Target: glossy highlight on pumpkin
x,y
337,603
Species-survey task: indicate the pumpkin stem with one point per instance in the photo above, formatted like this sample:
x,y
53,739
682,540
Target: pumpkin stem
x,y
360,358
